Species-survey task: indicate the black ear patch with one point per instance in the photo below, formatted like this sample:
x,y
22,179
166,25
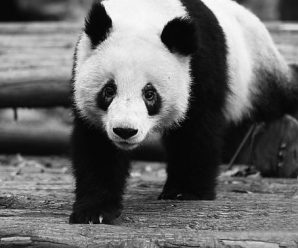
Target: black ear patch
x,y
97,24
179,35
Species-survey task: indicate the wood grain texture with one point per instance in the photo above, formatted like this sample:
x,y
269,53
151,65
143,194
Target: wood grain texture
x,y
35,203
36,60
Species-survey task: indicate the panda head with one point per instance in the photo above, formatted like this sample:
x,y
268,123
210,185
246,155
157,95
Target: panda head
x,y
129,81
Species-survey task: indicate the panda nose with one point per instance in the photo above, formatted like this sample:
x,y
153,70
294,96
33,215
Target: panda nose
x,y
125,133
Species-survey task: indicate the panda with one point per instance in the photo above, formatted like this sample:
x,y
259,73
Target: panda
x,y
186,69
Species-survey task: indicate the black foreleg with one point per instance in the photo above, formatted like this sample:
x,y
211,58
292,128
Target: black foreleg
x,y
100,171
193,153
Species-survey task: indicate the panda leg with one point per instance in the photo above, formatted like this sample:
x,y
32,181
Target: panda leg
x,y
100,171
193,153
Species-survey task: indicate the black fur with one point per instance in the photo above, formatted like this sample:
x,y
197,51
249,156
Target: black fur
x,y
194,149
276,96
100,170
97,24
179,35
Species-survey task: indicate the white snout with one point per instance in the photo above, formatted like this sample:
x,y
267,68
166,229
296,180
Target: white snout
x,y
127,123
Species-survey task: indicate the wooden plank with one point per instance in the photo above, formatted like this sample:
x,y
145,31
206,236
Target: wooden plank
x,y
35,203
38,57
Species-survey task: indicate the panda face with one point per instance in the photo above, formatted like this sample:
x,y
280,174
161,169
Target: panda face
x,y
130,86
131,79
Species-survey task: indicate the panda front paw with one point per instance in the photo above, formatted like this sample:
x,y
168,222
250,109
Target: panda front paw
x,y
94,216
175,194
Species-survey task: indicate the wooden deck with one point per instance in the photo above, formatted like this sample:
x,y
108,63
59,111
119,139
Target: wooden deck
x,y
35,202
36,197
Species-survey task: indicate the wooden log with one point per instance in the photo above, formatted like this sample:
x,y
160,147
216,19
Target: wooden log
x,y
36,60
42,93
35,205
266,9
54,139
272,148
35,139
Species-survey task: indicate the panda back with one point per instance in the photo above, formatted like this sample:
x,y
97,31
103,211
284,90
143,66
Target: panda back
x,y
251,53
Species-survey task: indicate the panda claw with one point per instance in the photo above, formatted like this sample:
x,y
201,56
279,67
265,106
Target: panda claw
x,y
179,196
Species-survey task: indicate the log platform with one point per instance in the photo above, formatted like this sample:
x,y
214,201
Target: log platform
x,y
36,196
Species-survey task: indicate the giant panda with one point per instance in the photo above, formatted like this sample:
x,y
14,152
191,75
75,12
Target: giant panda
x,y
184,68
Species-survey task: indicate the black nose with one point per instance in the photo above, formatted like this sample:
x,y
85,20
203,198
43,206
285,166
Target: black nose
x,y
125,133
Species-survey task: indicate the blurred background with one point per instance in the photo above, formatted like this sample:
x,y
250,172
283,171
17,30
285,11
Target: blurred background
x,y
42,10
45,10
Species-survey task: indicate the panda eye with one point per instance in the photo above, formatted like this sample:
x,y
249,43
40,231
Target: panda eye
x,y
105,97
150,95
152,99
109,91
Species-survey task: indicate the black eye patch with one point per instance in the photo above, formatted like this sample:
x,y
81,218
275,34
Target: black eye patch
x,y
152,99
107,94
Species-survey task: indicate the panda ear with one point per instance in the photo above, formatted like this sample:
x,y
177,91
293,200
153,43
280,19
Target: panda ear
x,y
97,24
179,36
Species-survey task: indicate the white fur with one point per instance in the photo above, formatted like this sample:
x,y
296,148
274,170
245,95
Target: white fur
x,y
145,17
133,55
250,50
